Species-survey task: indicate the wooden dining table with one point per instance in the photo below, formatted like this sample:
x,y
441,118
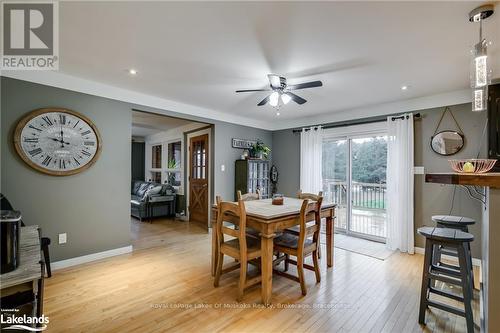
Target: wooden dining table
x,y
268,219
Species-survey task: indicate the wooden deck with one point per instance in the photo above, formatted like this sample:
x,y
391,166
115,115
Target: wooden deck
x,y
165,285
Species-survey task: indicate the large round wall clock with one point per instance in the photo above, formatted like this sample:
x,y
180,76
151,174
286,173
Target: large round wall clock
x,y
57,142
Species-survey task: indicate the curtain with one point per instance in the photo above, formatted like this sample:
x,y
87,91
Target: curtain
x,y
311,142
400,183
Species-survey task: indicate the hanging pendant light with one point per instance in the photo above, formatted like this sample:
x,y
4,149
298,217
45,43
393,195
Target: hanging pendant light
x,y
480,71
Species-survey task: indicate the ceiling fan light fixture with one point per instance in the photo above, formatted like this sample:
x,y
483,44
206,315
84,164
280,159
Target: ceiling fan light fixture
x,y
274,80
274,98
285,98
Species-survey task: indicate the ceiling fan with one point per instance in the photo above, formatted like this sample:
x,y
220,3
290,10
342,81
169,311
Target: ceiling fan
x,y
280,89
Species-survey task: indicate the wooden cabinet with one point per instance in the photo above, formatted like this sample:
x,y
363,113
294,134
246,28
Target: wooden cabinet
x,y
250,176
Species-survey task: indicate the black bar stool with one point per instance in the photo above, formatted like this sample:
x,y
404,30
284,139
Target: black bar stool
x,y
453,222
459,275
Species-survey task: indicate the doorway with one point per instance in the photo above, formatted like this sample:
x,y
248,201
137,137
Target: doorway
x,y
354,177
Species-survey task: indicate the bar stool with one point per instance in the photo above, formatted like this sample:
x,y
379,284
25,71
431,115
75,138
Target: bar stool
x,y
452,222
461,275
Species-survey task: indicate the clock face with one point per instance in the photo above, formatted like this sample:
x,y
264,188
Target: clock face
x,y
57,141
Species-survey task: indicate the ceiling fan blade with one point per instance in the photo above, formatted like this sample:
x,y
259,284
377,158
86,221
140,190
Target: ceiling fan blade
x,y
264,101
296,99
305,85
274,80
251,90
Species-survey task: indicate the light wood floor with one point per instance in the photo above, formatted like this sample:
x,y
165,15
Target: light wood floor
x,y
165,285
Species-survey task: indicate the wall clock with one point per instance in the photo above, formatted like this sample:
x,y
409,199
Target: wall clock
x,y
57,142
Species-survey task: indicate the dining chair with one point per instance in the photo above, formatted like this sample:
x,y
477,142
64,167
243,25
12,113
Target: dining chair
x,y
248,196
310,196
241,247
302,245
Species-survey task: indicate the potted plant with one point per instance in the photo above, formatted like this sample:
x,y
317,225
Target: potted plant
x,y
260,150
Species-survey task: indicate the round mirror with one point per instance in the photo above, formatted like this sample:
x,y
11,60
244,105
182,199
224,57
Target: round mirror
x,y
447,143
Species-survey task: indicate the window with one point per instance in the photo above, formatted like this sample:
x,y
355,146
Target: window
x,y
156,157
174,155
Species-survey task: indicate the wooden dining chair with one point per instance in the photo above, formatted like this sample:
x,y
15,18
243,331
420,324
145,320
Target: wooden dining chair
x,y
301,246
310,196
241,247
248,196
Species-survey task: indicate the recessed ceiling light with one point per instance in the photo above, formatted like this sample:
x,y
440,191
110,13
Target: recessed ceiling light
x,y
132,71
405,87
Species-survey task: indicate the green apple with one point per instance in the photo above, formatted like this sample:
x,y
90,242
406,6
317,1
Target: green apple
x,y
468,167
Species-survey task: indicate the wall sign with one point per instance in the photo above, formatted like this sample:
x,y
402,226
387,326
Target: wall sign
x,y
243,143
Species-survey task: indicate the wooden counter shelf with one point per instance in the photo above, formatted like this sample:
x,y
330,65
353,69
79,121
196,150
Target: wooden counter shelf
x,y
491,179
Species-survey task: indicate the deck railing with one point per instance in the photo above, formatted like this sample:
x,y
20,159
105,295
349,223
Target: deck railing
x,y
369,202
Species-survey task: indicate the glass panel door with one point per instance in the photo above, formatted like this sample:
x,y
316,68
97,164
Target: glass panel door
x,y
368,186
335,178
354,177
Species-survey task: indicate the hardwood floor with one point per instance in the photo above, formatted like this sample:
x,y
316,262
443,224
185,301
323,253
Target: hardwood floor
x,y
165,285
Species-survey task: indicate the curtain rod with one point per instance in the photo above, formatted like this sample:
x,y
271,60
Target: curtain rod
x,y
355,122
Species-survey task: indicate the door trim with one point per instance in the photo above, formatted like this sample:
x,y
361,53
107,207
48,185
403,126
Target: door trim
x,y
211,154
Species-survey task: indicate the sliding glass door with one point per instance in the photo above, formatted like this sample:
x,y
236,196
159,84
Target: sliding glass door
x,y
354,177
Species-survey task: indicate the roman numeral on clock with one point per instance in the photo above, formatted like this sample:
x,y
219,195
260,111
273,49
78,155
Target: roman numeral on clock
x,y
86,132
32,140
76,161
86,153
35,128
62,164
89,143
62,119
47,160
47,120
35,152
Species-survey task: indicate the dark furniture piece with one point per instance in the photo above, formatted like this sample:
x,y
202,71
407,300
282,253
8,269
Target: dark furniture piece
x,y
494,124
22,288
44,241
250,176
137,161
149,200
460,275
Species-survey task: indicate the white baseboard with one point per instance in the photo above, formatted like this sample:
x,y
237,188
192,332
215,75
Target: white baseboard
x,y
90,257
475,261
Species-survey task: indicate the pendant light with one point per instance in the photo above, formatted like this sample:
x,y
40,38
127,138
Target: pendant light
x,y
480,71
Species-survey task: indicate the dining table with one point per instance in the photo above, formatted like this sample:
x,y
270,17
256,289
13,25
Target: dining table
x,y
268,220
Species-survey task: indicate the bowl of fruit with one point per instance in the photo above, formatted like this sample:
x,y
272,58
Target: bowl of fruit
x,y
472,165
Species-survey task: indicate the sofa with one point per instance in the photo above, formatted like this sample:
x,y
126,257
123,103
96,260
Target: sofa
x,y
149,200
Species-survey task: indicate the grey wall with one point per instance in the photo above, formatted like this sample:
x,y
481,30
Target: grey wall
x,y
433,199
430,199
227,155
92,207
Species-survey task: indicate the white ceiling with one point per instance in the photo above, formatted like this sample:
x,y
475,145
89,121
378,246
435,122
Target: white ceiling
x,y
145,124
198,53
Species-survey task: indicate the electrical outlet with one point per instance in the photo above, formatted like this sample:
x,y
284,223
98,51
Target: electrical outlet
x,y
62,238
222,168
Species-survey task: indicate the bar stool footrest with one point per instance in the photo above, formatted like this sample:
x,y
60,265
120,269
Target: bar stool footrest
x,y
447,308
446,294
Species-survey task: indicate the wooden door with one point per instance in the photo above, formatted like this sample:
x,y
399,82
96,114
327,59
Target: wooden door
x,y
198,180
